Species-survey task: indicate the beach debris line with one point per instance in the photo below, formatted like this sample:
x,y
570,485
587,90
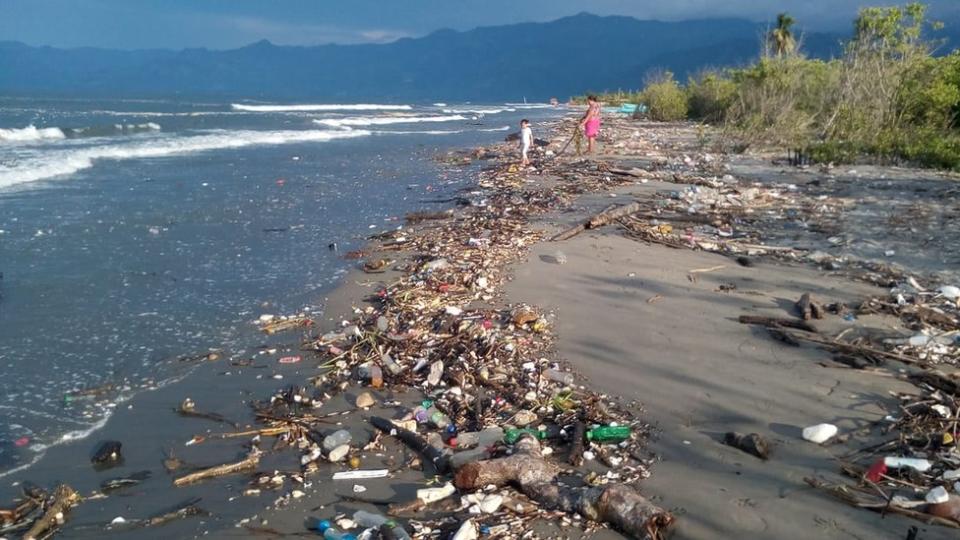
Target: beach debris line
x,y
483,377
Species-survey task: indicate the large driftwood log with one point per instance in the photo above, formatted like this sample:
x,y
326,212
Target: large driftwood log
x,y
64,498
617,504
250,462
599,220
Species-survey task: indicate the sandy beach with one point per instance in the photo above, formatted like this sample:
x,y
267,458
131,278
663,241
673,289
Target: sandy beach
x,y
650,328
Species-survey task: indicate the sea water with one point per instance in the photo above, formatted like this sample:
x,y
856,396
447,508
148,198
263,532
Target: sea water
x,y
137,233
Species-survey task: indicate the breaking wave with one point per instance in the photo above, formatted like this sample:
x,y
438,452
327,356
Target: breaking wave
x,y
31,133
50,164
435,131
480,110
320,107
384,120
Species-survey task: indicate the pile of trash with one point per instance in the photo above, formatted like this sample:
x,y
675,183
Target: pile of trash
x,y
511,434
491,393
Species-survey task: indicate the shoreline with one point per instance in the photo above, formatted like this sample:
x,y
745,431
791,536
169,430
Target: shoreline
x,y
588,300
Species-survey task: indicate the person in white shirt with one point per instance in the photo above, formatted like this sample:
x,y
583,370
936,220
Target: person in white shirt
x,y
526,141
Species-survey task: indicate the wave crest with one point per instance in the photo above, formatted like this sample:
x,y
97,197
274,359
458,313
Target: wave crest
x,y
350,121
68,161
319,107
31,133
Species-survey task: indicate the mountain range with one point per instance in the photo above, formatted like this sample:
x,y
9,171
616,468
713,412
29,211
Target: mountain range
x,y
535,61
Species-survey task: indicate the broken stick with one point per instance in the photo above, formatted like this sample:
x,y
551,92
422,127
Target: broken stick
x,y
599,220
774,322
250,462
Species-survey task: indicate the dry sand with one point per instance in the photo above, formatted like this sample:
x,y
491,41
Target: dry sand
x,y
630,318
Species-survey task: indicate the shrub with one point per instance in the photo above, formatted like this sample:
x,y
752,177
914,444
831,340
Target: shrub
x,y
709,97
665,99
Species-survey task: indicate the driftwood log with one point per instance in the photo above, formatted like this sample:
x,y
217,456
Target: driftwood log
x,y
250,462
616,504
64,498
440,459
774,322
599,220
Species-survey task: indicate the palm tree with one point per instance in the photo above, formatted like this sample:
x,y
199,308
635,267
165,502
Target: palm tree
x,y
781,38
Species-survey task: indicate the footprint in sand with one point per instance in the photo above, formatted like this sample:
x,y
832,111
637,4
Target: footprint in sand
x,y
745,515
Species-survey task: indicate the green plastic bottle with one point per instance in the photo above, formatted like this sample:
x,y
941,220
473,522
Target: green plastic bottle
x,y
609,434
513,435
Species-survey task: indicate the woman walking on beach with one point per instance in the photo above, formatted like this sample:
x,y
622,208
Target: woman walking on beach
x,y
590,123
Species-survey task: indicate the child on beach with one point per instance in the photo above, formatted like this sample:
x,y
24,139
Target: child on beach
x,y
526,141
590,123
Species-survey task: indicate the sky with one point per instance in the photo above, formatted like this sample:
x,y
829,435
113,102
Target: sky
x,y
224,24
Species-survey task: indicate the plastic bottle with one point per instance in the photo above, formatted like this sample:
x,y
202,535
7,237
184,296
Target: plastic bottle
x,y
370,519
332,533
513,435
421,415
609,434
335,439
391,365
439,419
483,438
376,377
560,377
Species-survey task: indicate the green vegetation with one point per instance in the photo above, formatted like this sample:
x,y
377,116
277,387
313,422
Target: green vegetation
x,y
665,99
887,97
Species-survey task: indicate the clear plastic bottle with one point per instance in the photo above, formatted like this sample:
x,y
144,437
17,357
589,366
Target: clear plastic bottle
x,y
391,365
370,519
332,533
439,419
486,437
335,439
560,376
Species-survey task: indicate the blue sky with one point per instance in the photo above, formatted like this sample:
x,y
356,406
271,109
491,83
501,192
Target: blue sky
x,y
131,24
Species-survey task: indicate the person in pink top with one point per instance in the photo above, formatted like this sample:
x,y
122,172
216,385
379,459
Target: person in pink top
x,y
590,123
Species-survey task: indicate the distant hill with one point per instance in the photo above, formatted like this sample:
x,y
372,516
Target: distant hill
x,y
533,60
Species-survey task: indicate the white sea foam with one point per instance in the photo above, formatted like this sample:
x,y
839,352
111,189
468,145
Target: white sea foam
x,y
434,131
421,132
30,133
480,110
160,114
61,162
530,105
320,107
385,120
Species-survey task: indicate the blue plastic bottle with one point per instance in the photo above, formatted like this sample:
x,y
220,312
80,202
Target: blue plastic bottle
x,y
332,533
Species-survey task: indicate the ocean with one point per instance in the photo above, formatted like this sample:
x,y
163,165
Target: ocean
x,y
137,233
